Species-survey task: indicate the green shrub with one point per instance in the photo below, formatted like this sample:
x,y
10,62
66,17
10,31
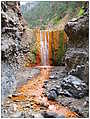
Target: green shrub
x,y
55,20
81,12
50,10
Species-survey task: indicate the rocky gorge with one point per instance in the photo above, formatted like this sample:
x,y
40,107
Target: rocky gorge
x,y
63,91
11,36
70,87
13,46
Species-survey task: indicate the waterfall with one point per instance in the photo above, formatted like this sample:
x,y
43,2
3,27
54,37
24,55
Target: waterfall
x,y
50,46
44,48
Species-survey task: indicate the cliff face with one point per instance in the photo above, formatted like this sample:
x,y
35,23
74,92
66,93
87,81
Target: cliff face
x,y
77,55
77,30
12,29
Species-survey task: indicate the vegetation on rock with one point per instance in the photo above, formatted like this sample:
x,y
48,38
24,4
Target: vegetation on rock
x,y
45,12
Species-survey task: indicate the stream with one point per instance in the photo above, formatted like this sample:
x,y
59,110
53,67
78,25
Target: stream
x,y
30,96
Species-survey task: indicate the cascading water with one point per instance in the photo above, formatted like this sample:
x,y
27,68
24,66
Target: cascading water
x,y
51,46
44,48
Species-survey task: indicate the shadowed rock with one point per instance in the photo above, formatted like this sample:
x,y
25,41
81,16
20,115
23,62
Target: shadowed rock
x,y
51,115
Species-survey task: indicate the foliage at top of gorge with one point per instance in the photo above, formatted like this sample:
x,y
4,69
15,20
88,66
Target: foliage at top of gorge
x,y
43,13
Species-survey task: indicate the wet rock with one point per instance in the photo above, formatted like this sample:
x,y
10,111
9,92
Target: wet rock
x,y
60,116
45,82
52,77
51,115
76,105
16,94
65,92
52,94
79,69
76,87
12,45
70,86
83,112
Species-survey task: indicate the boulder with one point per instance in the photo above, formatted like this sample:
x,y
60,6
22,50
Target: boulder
x,y
74,87
70,86
81,71
52,94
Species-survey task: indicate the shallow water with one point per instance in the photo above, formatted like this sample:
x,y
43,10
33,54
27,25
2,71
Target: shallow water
x,y
33,92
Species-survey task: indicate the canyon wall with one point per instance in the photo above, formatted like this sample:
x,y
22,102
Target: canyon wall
x,y
77,55
12,28
13,46
70,87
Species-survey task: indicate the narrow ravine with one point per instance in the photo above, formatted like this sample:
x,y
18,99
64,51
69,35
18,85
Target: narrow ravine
x,y
45,59
32,93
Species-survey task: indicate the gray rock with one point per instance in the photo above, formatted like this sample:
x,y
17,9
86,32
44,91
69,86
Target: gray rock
x,y
77,30
80,72
76,105
70,86
11,3
16,115
52,77
52,115
8,82
74,86
78,47
52,94
60,116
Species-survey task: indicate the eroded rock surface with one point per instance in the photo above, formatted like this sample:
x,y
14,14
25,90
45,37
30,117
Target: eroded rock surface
x,y
8,83
78,48
12,28
77,30
69,91
70,88
74,87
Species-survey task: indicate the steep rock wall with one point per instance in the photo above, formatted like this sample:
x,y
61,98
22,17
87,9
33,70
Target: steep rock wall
x,y
12,29
77,55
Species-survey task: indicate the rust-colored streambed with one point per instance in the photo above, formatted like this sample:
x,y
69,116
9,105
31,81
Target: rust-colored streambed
x,y
33,90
